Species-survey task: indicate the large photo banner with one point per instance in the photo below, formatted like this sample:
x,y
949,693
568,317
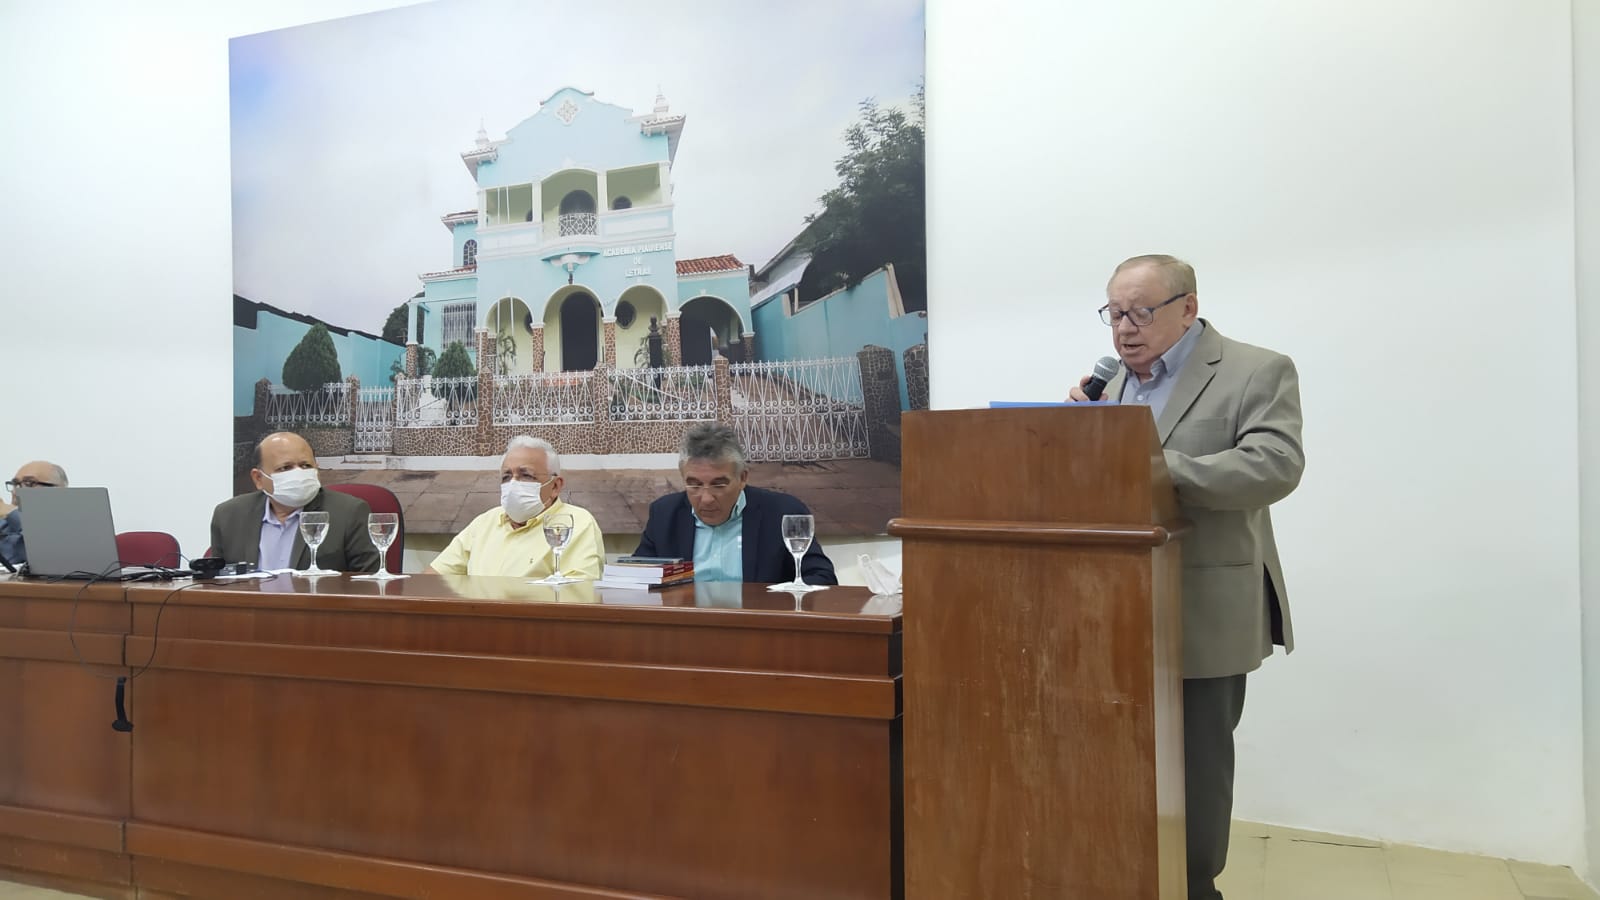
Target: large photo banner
x,y
598,223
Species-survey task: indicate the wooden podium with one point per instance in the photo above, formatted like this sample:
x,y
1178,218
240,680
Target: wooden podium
x,y
1043,717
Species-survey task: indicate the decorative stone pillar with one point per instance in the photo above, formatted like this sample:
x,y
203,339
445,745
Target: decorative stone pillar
x,y
604,429
483,437
608,342
353,388
916,366
413,359
536,344
748,342
722,380
247,432
880,389
674,342
258,412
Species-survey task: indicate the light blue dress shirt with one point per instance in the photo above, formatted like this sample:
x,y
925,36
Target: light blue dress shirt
x,y
719,549
277,539
1163,375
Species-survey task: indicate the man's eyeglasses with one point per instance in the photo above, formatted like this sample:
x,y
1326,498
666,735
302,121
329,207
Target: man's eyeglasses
x,y
715,487
1141,315
15,483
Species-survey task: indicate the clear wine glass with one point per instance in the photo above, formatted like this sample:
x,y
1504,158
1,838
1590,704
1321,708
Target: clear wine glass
x,y
382,528
798,532
557,531
314,530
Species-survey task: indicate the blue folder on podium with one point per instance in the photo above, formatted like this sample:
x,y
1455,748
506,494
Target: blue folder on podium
x,y
1018,404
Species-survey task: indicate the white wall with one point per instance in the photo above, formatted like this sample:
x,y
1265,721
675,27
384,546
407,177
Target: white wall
x,y
115,316
1586,64
1382,190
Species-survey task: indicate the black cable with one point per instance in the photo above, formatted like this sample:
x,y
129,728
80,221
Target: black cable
x,y
121,724
72,617
155,632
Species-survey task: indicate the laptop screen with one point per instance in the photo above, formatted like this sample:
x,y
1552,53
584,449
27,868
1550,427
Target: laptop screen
x,y
68,531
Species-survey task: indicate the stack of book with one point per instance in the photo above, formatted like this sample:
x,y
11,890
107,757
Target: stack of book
x,y
646,573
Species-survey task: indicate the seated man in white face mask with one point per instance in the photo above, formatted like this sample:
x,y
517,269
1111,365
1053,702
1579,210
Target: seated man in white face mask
x,y
509,539
263,528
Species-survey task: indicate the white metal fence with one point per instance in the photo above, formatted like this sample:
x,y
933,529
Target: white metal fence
x,y
374,420
544,398
428,401
800,410
679,394
327,405
793,410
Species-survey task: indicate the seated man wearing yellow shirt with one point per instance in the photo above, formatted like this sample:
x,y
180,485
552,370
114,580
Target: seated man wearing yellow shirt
x,y
509,539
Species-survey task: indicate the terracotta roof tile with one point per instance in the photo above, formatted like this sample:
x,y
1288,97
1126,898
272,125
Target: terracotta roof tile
x,y
705,265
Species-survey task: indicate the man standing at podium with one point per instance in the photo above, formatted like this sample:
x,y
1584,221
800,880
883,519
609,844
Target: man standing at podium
x,y
1229,419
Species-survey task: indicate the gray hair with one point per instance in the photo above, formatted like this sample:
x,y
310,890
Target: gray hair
x,y
1178,274
61,474
714,443
552,459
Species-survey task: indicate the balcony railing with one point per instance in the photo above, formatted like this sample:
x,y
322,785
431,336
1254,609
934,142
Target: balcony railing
x,y
577,224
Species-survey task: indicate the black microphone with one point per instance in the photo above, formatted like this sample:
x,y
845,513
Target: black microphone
x,y
1104,371
121,724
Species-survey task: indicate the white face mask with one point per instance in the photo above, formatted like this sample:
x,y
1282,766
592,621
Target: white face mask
x,y
521,500
294,488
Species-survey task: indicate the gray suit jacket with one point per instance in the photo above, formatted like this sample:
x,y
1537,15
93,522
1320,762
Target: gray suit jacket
x,y
236,532
1231,431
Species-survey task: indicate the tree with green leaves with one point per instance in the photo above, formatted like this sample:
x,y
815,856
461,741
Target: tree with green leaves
x,y
313,362
394,328
425,361
878,213
454,362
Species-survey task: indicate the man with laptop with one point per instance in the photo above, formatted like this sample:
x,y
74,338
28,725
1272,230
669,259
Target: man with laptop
x,y
34,474
263,528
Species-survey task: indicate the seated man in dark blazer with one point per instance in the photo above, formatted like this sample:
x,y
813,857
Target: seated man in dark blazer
x,y
732,531
263,528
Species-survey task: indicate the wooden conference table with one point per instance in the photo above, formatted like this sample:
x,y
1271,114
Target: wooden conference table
x,y
447,736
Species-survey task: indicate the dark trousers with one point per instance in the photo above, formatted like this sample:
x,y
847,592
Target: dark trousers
x,y
1211,711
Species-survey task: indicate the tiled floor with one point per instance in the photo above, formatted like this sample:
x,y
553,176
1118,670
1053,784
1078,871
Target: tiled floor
x,y
1270,863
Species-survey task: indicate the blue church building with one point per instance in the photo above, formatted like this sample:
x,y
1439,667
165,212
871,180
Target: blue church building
x,y
570,254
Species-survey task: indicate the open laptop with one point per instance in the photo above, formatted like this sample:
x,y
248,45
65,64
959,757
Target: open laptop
x,y
68,533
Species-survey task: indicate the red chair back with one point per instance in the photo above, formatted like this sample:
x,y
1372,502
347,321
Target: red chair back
x,y
148,548
381,499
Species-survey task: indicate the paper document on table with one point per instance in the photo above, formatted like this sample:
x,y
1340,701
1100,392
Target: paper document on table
x,y
881,577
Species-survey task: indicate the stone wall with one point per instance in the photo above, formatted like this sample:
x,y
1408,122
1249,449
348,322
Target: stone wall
x,y
880,389
916,366
574,438
330,440
446,440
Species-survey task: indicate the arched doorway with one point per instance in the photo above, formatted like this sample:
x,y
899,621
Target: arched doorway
x,y
707,324
694,333
509,323
580,332
638,306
